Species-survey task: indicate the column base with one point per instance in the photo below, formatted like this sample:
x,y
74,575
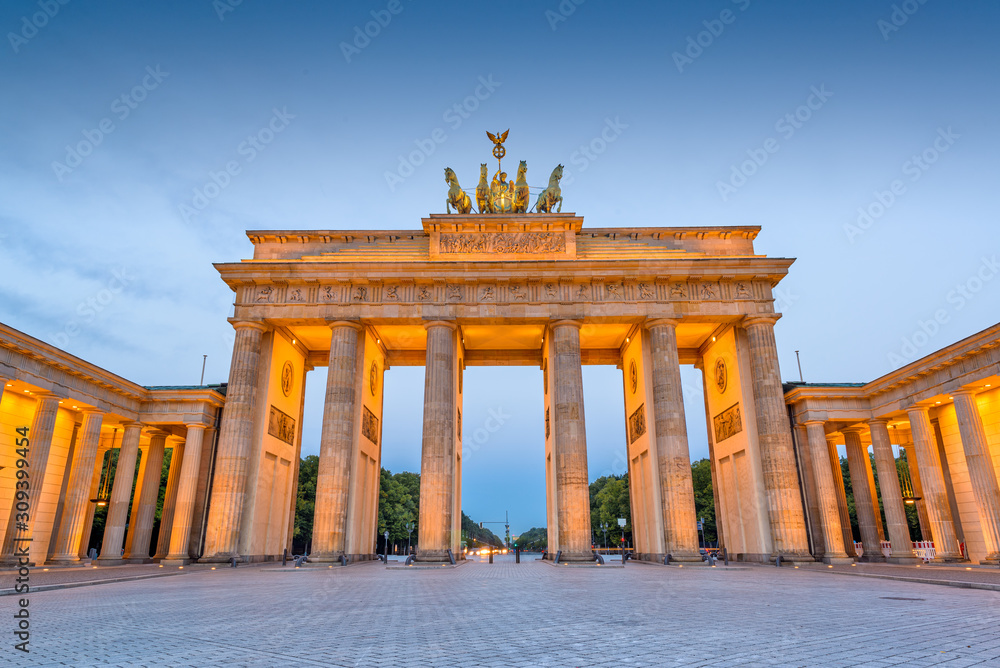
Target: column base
x,y
325,557
949,560
576,557
138,560
63,560
866,559
903,561
990,561
184,561
109,562
838,561
219,558
433,556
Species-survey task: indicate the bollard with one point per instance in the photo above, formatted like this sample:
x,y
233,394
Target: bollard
x,y
666,560
491,556
284,557
725,555
232,563
777,561
517,556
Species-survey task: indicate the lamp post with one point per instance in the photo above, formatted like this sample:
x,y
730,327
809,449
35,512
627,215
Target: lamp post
x,y
621,523
604,528
409,534
386,550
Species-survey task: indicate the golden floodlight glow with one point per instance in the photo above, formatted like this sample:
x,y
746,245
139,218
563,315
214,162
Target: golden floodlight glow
x,y
713,338
213,568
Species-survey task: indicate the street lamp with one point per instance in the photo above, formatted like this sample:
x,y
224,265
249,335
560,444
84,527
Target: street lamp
x,y
604,528
386,551
409,534
621,523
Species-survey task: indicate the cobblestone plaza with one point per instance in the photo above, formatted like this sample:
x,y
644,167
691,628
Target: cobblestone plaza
x,y
507,614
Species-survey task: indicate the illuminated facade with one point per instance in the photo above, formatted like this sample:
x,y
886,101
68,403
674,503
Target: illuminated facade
x,y
536,290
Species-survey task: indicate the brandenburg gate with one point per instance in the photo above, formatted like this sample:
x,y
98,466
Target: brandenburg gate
x,y
506,288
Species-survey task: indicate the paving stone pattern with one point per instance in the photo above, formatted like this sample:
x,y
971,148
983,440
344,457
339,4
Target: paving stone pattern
x,y
505,614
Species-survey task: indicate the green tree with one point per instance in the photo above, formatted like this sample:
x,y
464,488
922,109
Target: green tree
x,y
609,500
305,504
533,540
704,498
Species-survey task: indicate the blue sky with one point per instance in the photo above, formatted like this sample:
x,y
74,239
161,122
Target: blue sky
x,y
877,108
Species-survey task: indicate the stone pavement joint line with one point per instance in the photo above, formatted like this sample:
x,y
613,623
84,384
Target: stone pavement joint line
x,y
512,615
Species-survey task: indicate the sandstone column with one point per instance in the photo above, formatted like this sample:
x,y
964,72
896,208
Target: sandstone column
x,y
570,443
838,483
17,541
981,472
826,495
918,490
864,504
169,501
932,480
187,486
437,459
892,498
337,443
781,484
77,502
680,523
233,451
137,542
121,492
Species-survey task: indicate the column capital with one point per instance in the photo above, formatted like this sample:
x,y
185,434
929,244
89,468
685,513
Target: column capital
x,y
877,420
565,323
91,411
353,324
195,425
853,429
760,319
918,409
248,324
441,323
965,392
661,322
806,423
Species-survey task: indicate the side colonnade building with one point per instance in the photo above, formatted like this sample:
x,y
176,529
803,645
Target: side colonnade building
x,y
941,414
76,414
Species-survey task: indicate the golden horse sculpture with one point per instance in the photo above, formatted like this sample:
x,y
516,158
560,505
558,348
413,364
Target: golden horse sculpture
x,y
551,195
484,195
457,197
521,194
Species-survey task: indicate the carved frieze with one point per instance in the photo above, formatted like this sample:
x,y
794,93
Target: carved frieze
x,y
727,423
530,290
369,425
281,426
637,423
527,243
